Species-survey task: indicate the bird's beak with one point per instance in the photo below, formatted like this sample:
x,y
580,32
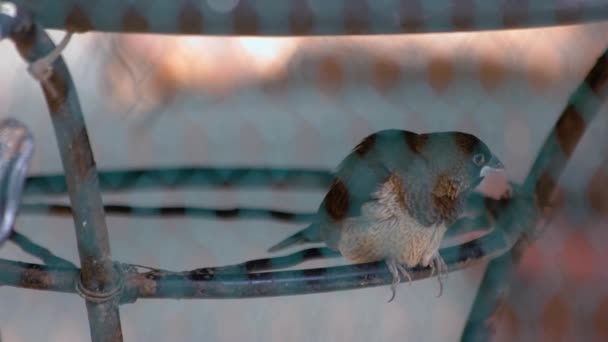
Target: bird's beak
x,y
494,165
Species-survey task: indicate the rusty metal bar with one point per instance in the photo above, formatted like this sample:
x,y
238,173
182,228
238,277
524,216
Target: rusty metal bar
x,y
98,278
244,280
38,277
583,106
309,18
235,282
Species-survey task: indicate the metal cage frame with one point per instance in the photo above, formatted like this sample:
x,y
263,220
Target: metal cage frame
x,y
104,284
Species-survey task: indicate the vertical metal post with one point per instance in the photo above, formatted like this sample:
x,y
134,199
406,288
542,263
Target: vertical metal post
x,y
100,283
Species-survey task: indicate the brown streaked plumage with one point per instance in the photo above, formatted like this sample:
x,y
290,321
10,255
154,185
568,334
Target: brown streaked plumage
x,y
394,197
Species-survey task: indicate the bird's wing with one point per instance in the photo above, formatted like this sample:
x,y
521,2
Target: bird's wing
x,y
371,163
437,201
359,177
355,181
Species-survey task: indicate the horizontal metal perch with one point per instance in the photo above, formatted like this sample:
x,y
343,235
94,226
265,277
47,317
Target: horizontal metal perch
x,y
235,282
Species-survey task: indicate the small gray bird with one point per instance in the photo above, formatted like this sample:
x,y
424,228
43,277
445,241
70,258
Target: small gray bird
x,y
395,195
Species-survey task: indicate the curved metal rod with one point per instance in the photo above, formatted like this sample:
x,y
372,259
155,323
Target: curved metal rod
x,y
16,149
308,18
221,282
38,251
277,263
180,177
583,106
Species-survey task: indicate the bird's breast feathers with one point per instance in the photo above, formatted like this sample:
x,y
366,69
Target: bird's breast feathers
x,y
366,238
385,229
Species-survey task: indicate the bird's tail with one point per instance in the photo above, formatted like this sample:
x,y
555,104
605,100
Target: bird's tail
x,y
310,234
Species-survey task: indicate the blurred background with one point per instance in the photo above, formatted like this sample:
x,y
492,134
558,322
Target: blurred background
x,y
152,100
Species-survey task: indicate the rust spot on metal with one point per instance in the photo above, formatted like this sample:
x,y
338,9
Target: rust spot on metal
x,y
190,19
515,13
98,274
597,79
81,155
300,18
463,12
544,189
34,278
57,94
569,129
416,142
411,16
245,18
337,200
147,287
60,210
365,145
25,40
356,17
134,21
77,20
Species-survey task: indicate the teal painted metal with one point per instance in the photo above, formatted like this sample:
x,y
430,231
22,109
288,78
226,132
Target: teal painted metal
x,y
309,17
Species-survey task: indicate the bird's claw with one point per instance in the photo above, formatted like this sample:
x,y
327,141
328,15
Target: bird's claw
x,y
405,273
439,265
393,268
396,269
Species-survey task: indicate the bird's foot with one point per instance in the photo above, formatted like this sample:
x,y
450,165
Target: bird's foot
x,y
397,270
394,269
405,273
42,69
439,265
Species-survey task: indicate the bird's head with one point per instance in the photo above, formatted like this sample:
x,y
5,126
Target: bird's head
x,y
462,156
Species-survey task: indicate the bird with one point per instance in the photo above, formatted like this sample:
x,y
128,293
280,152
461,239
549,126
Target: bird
x,y
393,197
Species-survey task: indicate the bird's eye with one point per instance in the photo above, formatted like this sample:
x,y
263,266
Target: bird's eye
x,y
479,159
